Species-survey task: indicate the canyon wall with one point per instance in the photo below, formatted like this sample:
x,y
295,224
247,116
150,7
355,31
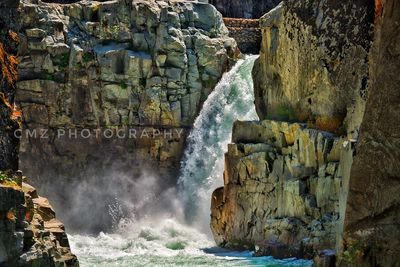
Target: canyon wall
x,y
8,47
286,177
145,67
30,235
371,224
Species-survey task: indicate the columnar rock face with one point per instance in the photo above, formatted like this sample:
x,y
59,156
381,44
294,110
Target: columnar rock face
x,y
249,9
143,65
281,190
286,177
157,60
30,235
372,223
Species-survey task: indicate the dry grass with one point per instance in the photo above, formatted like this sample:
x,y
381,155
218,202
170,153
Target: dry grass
x,y
16,112
14,36
9,65
378,9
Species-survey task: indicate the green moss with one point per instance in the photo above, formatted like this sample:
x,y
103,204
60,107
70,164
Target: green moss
x,y
62,60
282,112
125,121
143,82
210,83
353,250
87,57
356,252
48,76
123,85
6,179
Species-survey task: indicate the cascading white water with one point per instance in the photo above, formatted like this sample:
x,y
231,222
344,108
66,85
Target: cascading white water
x,y
162,239
203,162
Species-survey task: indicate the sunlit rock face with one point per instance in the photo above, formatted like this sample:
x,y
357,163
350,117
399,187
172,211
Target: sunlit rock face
x,y
140,65
286,177
313,64
371,223
281,190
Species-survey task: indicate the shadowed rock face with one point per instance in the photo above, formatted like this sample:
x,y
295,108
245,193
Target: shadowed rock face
x,y
140,65
30,234
249,9
372,221
8,144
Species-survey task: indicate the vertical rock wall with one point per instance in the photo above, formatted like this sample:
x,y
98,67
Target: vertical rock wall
x,y
8,46
371,224
313,67
30,235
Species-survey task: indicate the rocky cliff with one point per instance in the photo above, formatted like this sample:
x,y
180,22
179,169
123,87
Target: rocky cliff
x,y
286,177
313,67
281,190
8,61
249,9
371,224
30,235
146,66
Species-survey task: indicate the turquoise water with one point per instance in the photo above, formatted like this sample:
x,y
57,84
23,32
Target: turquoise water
x,y
162,243
184,238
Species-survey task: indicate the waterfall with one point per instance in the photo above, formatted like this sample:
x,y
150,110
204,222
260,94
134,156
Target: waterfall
x,y
160,240
203,162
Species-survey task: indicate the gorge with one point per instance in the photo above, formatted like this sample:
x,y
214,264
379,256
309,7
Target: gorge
x,y
295,148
